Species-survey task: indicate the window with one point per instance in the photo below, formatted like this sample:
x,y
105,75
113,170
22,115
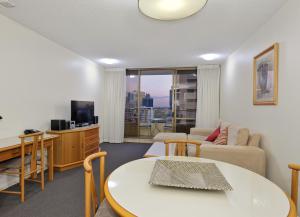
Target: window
x,y
160,100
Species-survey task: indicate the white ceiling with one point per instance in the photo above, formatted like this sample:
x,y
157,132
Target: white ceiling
x,y
115,29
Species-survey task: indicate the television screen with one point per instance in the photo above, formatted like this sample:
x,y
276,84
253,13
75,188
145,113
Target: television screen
x,y
82,112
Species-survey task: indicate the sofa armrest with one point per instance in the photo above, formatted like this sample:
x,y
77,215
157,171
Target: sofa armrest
x,y
201,131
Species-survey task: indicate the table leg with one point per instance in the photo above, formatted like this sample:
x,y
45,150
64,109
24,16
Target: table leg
x,y
50,161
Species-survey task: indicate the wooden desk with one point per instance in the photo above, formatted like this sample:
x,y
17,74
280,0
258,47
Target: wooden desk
x,y
11,148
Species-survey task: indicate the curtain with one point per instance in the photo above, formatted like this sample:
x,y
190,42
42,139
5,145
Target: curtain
x,y
208,96
114,105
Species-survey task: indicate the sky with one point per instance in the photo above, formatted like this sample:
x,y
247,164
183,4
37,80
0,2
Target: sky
x,y
158,86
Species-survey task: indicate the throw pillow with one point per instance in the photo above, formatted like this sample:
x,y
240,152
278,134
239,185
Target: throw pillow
x,y
224,124
242,136
232,134
254,140
212,137
222,138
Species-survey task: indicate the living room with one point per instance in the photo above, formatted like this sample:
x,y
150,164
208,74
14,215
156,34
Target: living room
x,y
217,81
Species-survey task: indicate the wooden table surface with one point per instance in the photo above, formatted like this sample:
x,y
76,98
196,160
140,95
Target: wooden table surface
x,y
129,193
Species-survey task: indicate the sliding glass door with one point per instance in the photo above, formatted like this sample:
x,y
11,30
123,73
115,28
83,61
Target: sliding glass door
x,y
155,103
132,105
160,100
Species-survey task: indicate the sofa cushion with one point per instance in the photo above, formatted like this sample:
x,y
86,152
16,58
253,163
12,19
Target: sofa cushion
x,y
212,137
160,137
242,137
198,139
232,134
237,135
224,124
201,131
254,140
222,138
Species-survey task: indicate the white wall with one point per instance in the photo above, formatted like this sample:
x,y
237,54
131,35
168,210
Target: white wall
x,y
279,124
39,78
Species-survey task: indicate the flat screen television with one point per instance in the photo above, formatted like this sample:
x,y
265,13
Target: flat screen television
x,y
82,112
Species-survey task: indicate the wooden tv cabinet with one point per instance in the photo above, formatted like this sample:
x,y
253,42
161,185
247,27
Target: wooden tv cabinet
x,y
72,146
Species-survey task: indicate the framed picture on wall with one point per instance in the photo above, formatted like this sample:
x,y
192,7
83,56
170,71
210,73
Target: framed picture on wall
x,y
265,77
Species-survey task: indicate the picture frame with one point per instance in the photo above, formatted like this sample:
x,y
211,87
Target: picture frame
x,y
265,76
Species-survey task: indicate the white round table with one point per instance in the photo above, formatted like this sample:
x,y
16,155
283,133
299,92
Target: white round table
x,y
128,191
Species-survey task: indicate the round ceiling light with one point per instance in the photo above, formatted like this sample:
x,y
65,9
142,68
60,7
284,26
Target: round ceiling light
x,y
108,61
170,9
210,56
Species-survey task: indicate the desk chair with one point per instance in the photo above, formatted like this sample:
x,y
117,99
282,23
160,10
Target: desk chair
x,y
294,187
91,197
29,156
181,146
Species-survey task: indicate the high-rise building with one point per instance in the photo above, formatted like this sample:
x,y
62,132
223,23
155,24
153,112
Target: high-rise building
x,y
171,98
147,101
146,115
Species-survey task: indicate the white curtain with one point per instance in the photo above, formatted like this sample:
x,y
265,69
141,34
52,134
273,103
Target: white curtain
x,y
208,96
114,105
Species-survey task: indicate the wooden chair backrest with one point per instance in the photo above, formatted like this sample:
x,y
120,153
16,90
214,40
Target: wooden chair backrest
x,y
91,197
294,185
35,139
181,146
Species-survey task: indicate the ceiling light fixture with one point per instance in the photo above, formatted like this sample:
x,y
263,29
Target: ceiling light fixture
x,y
170,9
210,56
108,61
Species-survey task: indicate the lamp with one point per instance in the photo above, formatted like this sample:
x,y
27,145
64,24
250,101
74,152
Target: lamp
x,y
170,9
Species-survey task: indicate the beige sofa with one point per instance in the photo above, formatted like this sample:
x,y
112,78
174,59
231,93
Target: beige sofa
x,y
243,148
249,155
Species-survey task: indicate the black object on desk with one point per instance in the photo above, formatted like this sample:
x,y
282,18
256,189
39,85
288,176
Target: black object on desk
x,y
30,131
58,124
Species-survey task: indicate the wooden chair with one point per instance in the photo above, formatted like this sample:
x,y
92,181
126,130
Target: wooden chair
x,y
181,147
29,156
294,187
91,197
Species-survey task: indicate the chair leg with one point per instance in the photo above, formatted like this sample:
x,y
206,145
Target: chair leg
x,y
42,169
42,175
22,185
22,181
20,178
33,166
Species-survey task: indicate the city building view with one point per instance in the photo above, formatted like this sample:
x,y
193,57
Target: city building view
x,y
160,108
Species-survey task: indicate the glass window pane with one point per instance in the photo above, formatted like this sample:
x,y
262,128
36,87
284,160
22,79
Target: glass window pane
x,y
186,100
184,125
131,108
160,100
155,104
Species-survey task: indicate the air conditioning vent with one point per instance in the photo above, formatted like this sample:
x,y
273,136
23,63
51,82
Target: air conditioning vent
x,y
7,4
